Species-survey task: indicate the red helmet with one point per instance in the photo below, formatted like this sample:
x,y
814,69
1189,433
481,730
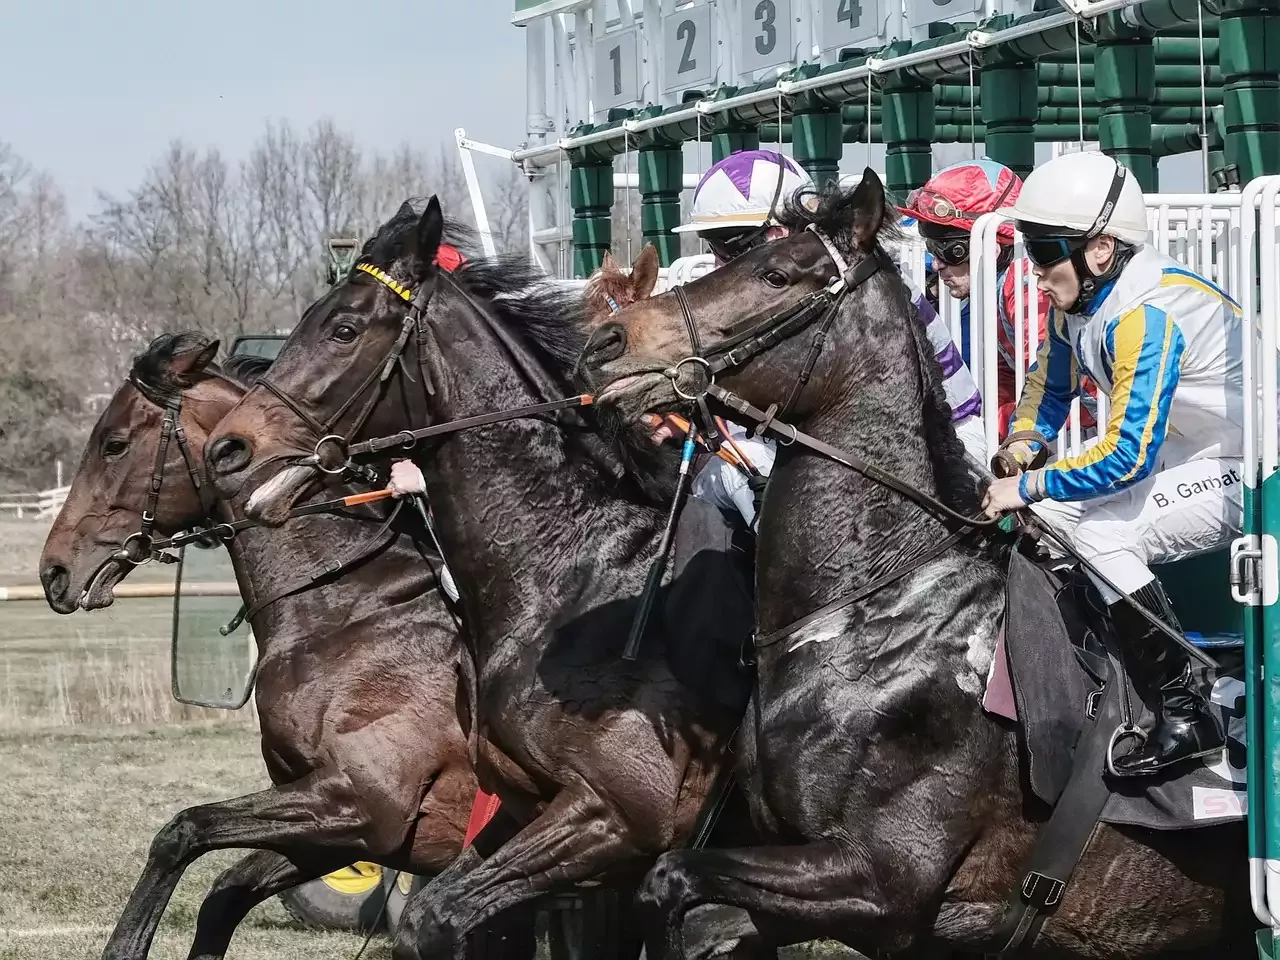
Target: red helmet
x,y
960,194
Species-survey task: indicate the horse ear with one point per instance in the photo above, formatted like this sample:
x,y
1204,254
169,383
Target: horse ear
x,y
429,232
868,209
644,272
192,361
608,264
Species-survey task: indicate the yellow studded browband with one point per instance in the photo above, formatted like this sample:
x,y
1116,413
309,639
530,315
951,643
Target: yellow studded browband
x,y
386,279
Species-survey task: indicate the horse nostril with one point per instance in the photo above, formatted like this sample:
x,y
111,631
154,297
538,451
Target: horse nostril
x,y
229,454
54,578
607,344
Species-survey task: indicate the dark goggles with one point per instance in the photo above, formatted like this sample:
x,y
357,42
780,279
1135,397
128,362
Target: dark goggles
x,y
1047,251
727,245
952,252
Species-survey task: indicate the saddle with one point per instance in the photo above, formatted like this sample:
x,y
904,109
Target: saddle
x,y
1058,674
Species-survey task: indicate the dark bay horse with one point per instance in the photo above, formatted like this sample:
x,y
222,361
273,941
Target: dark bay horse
x,y
895,802
357,680
606,762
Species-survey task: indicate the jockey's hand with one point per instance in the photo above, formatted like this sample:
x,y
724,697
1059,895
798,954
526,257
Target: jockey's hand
x,y
406,479
661,426
1002,497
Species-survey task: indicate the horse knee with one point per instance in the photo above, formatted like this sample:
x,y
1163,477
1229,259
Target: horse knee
x,y
176,842
668,886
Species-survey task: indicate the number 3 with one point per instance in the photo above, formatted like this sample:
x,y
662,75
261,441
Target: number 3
x,y
766,12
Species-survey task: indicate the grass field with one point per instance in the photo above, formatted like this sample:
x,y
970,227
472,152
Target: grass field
x,y
96,756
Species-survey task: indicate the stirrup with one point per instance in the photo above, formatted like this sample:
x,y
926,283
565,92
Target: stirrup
x,y
1122,731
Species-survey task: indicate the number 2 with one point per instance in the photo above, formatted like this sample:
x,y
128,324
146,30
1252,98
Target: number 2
x,y
850,11
688,32
767,13
615,55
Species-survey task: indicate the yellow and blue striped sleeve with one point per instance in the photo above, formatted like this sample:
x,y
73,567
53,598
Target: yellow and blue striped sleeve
x,y
1052,383
1145,348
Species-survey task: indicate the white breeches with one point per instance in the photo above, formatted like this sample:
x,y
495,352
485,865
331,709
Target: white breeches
x,y
1185,508
726,486
971,434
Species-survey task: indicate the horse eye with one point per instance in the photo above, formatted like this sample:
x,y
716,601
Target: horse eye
x,y
344,333
114,446
776,278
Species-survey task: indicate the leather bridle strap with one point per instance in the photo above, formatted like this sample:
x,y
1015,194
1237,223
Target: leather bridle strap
x,y
407,438
790,434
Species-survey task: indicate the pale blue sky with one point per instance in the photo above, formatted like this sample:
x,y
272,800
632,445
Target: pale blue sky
x,y
94,91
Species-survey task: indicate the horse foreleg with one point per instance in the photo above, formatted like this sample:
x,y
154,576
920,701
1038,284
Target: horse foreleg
x,y
804,890
318,813
240,888
577,837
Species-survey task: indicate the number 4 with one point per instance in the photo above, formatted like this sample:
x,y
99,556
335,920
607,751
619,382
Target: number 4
x,y
849,11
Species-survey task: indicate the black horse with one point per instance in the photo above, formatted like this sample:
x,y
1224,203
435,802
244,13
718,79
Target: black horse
x,y
606,762
895,801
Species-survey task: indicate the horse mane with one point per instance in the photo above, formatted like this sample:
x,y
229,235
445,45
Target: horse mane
x,y
245,369
387,243
833,210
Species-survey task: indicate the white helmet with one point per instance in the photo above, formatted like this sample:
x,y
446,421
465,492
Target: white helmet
x,y
742,190
1088,194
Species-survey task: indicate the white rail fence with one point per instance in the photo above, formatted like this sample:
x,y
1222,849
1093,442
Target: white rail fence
x,y
40,504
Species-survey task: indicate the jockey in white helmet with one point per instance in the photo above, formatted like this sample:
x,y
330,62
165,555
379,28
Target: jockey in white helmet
x,y
1164,482
735,206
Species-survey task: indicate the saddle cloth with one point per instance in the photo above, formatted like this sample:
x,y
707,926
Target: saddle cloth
x,y
1048,669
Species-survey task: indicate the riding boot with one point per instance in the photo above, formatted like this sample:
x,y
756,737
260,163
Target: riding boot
x,y
1185,726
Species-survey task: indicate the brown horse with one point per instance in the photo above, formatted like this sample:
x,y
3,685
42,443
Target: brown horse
x,y
606,762
895,802
608,290
357,678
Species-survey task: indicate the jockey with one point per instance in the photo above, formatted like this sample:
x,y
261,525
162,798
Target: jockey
x,y
945,210
406,479
1164,482
735,208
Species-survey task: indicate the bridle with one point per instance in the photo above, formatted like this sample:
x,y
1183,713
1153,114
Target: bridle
x,y
378,377
822,305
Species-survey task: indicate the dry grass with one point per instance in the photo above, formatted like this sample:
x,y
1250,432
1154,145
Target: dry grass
x,y
96,756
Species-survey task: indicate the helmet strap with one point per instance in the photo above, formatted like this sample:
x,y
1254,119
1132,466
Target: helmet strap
x,y
1091,284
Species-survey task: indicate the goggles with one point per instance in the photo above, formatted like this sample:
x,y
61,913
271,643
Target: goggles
x,y
951,252
1047,251
729,245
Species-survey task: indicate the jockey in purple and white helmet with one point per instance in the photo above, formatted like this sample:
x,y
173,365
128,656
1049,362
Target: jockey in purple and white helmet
x,y
735,208
736,202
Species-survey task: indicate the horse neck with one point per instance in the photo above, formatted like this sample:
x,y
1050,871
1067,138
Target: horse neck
x,y
826,528
527,521
269,561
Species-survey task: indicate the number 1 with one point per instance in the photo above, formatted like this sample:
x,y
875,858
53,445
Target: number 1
x,y
616,56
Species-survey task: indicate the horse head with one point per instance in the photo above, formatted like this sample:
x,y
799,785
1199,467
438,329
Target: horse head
x,y
127,488
649,354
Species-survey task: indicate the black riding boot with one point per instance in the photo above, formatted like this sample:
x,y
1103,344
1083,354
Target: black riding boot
x,y
1185,726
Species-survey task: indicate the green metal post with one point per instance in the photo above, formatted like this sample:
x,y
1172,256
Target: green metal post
x,y
661,179
733,138
816,139
907,109
1009,108
1249,52
591,194
1124,86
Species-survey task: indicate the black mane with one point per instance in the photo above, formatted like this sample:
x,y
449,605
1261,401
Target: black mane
x,y
389,241
832,210
245,369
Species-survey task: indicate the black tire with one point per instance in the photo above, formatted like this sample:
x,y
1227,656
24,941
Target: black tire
x,y
347,899
398,888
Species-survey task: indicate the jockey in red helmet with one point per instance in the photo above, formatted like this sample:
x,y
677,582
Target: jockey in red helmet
x,y
946,209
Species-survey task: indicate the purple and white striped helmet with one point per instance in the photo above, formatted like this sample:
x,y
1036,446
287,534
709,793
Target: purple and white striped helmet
x,y
738,191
